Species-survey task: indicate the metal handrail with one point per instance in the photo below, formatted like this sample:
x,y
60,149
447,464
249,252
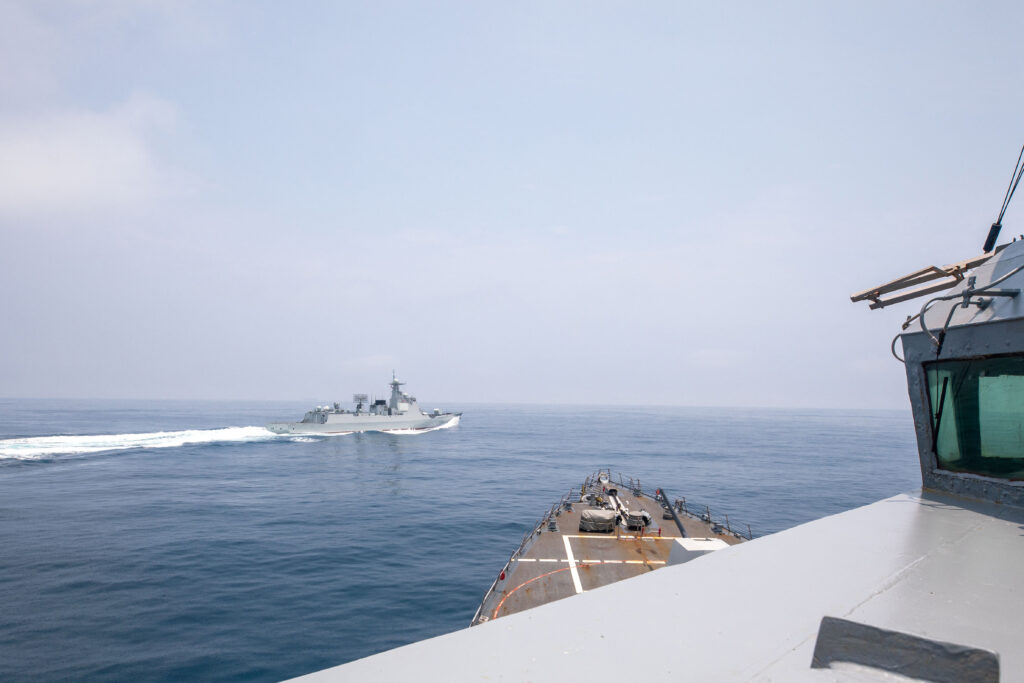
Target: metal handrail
x,y
590,484
523,545
689,508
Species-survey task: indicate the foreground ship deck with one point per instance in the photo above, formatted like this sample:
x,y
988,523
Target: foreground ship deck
x,y
557,560
753,612
920,586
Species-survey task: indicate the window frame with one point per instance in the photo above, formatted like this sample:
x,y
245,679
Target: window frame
x,y
947,396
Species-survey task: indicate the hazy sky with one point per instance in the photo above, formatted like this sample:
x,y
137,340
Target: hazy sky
x,y
586,202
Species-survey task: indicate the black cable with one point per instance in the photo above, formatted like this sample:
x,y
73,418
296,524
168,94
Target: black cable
x,y
1012,186
942,403
993,232
1015,184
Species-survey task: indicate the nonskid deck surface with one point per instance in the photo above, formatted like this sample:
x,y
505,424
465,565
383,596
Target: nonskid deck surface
x,y
558,564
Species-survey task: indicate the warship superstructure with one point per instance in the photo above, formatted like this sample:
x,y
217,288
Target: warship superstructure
x,y
399,413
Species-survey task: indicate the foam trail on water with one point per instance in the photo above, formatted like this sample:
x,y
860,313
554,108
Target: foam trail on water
x,y
450,423
447,425
36,447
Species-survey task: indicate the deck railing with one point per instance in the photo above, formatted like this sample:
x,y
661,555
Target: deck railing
x,y
685,506
592,484
525,543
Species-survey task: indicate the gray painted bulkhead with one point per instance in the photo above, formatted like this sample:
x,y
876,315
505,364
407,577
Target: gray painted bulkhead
x,y
974,342
996,330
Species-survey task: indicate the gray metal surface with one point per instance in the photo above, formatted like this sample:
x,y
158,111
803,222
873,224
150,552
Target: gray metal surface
x,y
931,565
564,555
995,330
399,413
928,574
346,424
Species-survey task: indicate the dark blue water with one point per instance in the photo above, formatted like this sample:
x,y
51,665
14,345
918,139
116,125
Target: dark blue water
x,y
244,555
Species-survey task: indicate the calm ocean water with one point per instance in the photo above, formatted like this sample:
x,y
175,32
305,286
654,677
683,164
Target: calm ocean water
x,y
240,555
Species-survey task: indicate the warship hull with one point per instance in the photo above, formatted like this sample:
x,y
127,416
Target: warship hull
x,y
347,424
399,414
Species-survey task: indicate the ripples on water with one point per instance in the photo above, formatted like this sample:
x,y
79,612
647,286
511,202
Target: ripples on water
x,y
243,555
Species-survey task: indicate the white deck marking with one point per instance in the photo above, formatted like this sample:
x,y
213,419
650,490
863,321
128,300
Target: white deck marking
x,y
623,538
572,566
579,562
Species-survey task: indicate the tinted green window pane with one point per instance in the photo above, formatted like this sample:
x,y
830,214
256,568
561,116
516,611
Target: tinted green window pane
x,y
946,444
978,415
1002,419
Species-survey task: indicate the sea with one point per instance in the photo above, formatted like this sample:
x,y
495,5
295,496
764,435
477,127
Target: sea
x,y
180,540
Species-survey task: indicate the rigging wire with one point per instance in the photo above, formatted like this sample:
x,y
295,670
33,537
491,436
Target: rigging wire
x,y
1012,187
993,233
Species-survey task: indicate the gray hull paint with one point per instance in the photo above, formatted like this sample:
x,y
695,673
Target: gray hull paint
x,y
399,413
346,424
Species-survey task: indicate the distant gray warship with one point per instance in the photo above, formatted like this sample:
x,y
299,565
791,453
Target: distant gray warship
x,y
400,413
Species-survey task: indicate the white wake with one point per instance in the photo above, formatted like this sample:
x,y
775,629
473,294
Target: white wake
x,y
447,425
36,447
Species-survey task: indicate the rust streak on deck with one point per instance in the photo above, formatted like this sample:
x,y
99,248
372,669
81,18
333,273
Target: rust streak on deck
x,y
532,578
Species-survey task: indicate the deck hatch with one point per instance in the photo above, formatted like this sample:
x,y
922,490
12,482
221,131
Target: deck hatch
x,y
843,641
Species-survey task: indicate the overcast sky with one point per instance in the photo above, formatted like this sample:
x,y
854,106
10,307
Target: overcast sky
x,y
567,202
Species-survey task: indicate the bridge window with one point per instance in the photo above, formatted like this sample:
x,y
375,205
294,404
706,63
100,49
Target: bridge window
x,y
977,411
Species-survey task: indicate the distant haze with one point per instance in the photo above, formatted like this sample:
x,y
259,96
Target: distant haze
x,y
568,202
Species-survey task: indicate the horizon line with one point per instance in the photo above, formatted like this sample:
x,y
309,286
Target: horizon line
x,y
478,403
